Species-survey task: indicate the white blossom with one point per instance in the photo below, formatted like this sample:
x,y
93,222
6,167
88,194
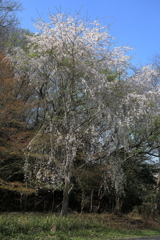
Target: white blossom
x,y
96,104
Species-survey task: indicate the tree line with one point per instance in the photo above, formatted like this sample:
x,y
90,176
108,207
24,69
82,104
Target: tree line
x,y
78,131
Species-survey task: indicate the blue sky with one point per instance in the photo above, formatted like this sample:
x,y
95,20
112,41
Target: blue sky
x,y
135,23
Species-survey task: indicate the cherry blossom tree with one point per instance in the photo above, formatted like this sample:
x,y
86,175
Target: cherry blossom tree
x,y
89,102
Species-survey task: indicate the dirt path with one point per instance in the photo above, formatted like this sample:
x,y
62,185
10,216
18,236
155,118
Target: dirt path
x,y
143,238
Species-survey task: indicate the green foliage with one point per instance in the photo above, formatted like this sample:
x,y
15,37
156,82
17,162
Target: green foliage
x,y
140,185
8,20
17,38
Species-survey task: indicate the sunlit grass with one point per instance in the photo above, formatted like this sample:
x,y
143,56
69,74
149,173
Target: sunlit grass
x,y
37,226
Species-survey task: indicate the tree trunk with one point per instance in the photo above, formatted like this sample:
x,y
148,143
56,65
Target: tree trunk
x,y
100,196
82,201
91,204
65,198
68,175
118,206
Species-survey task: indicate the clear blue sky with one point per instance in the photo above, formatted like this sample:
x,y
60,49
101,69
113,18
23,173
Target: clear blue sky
x,y
135,23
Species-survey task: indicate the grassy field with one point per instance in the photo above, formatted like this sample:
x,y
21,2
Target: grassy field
x,y
36,226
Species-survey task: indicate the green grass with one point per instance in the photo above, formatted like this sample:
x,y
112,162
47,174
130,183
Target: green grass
x,y
32,226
